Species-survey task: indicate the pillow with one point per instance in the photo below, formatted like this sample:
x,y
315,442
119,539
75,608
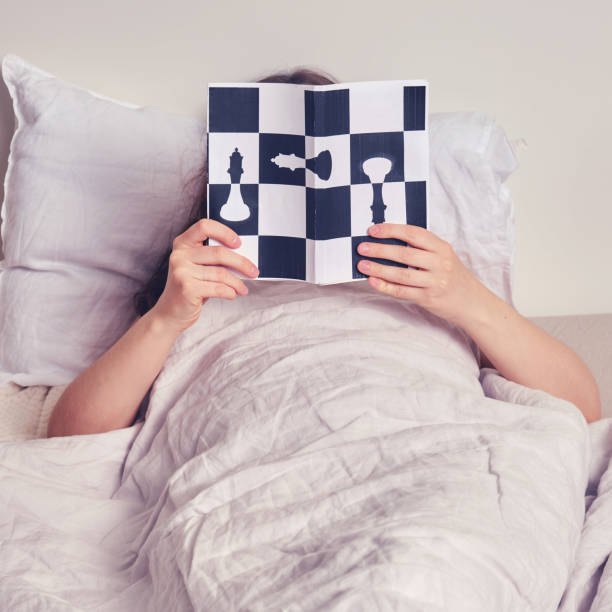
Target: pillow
x,y
96,189
470,207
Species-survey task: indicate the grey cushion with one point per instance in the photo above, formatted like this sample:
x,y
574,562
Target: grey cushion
x,y
590,336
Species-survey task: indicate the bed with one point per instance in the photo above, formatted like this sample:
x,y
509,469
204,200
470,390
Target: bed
x,y
307,448
231,518
25,410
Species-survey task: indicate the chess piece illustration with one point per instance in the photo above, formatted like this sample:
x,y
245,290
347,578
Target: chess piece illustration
x,y
321,165
235,209
376,168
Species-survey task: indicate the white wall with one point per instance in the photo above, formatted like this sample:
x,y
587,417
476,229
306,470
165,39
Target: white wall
x,y
542,68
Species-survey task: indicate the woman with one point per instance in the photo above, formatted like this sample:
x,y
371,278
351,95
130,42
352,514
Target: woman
x,y
109,393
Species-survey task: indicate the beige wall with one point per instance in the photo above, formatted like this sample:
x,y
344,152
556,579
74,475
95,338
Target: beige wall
x,y
541,67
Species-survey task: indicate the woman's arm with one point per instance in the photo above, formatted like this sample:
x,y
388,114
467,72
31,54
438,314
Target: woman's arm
x,y
107,394
526,354
441,283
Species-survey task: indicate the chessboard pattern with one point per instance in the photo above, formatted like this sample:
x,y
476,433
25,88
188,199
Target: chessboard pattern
x,y
289,208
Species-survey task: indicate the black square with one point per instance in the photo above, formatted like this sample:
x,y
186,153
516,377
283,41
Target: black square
x,y
233,109
416,203
414,108
270,145
356,257
282,257
217,197
326,112
381,144
328,212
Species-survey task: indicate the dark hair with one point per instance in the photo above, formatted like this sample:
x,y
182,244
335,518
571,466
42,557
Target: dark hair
x,y
147,297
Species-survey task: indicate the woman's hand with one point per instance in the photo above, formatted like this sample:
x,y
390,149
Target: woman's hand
x,y
442,284
194,276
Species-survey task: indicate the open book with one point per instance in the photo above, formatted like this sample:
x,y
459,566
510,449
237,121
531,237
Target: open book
x,y
301,171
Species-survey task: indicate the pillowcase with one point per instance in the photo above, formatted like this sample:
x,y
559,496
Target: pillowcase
x,y
470,207
96,190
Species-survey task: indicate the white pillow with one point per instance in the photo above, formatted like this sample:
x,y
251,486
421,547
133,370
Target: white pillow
x,y
94,194
470,207
96,190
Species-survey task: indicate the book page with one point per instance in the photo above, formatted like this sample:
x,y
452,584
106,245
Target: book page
x,y
301,171
256,174
376,135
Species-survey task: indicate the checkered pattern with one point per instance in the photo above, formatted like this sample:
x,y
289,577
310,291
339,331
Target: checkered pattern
x,y
301,226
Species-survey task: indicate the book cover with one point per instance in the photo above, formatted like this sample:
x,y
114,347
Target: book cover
x,y
301,171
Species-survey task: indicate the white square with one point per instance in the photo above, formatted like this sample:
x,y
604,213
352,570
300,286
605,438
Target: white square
x,y
339,148
416,155
309,152
310,260
221,145
394,197
282,210
333,260
248,248
376,107
281,108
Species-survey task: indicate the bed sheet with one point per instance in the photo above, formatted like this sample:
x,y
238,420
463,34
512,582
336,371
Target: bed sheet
x,y
589,586
311,449
103,463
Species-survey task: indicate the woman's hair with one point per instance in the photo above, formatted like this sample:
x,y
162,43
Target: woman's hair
x,y
147,297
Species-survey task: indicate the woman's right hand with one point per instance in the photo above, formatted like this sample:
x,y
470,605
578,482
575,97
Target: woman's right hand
x,y
194,276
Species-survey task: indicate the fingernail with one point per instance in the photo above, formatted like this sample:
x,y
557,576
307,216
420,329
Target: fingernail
x,y
236,240
364,248
254,270
375,229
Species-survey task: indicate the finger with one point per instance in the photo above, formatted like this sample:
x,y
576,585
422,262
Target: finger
x,y
415,235
219,274
395,252
208,289
211,255
204,229
395,274
399,291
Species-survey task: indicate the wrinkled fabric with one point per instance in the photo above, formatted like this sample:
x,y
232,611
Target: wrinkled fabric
x,y
305,448
589,588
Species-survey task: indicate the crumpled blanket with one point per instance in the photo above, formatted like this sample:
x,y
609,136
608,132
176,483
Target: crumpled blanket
x,y
589,588
305,448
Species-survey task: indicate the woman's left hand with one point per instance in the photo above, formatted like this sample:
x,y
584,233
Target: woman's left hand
x,y
442,284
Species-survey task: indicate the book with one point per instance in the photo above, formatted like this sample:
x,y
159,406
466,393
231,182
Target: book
x,y
301,171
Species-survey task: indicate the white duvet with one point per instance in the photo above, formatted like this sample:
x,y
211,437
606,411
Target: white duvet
x,y
305,448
